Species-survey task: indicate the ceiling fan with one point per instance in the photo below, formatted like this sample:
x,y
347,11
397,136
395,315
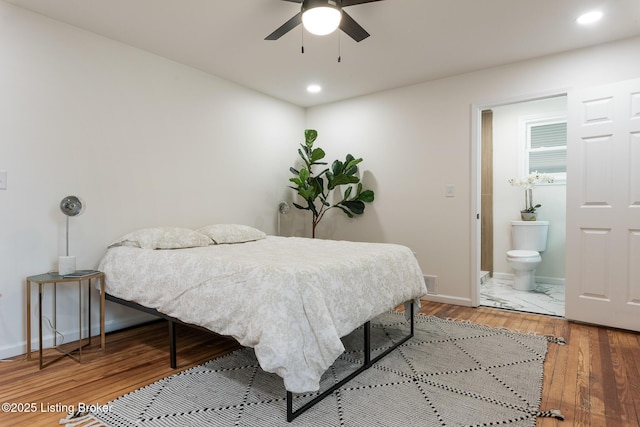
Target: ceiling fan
x,y
332,10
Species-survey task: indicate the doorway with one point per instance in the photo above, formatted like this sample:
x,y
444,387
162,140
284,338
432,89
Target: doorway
x,y
505,152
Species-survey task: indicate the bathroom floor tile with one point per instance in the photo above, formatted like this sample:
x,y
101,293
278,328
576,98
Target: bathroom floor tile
x,y
545,299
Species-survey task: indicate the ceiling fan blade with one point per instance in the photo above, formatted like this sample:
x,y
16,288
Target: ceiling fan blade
x,y
286,27
352,28
346,3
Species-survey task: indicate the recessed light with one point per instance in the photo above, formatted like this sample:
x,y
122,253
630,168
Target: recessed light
x,y
314,88
589,17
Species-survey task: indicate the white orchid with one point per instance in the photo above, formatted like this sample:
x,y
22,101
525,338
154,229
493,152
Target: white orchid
x,y
529,182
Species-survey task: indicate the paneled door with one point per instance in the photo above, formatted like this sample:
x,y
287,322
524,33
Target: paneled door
x,y
603,205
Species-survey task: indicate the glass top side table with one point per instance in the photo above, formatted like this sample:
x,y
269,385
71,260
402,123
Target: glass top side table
x,y
54,278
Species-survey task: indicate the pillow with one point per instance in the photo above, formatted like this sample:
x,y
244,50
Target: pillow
x,y
232,233
163,238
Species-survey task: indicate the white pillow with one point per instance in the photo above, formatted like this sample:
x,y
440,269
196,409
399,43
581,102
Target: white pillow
x,y
163,238
232,233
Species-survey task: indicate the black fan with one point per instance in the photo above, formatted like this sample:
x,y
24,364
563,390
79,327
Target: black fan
x,y
347,23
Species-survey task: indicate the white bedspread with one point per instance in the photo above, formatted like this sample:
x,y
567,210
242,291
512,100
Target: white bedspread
x,y
291,299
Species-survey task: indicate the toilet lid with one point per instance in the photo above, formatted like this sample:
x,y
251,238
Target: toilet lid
x,y
522,254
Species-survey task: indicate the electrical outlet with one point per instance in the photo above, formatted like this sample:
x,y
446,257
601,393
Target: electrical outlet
x,y
3,180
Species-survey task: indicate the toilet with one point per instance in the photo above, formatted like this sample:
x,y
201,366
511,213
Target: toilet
x,y
528,239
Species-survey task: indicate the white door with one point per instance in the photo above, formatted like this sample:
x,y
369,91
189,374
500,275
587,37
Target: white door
x,y
603,206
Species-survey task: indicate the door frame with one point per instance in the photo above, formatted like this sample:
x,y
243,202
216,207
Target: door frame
x,y
476,173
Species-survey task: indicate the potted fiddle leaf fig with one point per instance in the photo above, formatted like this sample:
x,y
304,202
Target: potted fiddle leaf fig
x,y
316,188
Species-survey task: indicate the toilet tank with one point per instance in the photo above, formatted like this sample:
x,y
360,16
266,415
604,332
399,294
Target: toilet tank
x,y
529,235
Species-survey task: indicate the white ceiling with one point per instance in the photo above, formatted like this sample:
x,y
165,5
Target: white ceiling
x,y
411,40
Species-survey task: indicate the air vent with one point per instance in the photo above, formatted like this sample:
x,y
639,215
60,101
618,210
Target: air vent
x,y
432,284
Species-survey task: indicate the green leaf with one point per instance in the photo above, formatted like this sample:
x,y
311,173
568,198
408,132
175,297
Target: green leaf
x,y
347,192
294,171
306,193
366,196
349,214
304,174
310,136
351,163
312,207
351,171
317,184
337,167
324,171
329,175
316,155
355,206
341,179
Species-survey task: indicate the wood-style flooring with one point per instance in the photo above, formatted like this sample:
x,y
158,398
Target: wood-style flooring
x,y
594,379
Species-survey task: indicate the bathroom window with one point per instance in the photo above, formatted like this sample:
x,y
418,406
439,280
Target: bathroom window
x,y
546,147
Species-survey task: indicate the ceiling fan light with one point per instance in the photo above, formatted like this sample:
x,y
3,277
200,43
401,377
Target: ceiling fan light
x,y
321,20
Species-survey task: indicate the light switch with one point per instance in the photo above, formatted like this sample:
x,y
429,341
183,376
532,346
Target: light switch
x,y
3,180
449,190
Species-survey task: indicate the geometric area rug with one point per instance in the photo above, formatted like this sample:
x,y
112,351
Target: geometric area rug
x,y
450,373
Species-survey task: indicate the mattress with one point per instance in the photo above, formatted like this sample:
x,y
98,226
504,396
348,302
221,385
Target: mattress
x,y
290,299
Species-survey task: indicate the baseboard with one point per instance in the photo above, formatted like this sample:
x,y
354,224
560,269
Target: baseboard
x,y
502,276
550,280
20,348
448,299
560,281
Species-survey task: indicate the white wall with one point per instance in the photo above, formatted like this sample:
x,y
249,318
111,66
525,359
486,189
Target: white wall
x,y
143,140
508,200
415,140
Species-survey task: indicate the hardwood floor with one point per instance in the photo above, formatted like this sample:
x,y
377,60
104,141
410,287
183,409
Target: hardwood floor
x,y
594,379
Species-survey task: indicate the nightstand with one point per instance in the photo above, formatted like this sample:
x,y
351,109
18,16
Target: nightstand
x,y
54,279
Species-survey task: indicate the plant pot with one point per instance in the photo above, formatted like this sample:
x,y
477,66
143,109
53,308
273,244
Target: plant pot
x,y
528,216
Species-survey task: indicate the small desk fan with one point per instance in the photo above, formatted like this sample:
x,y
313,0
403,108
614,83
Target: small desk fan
x,y
70,206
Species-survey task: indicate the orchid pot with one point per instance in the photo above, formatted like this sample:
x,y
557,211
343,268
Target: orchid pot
x,y
529,183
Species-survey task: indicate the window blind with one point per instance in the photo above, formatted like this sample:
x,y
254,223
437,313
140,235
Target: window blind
x,y
552,135
548,148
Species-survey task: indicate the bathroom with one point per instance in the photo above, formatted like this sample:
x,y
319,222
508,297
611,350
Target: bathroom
x,y
506,137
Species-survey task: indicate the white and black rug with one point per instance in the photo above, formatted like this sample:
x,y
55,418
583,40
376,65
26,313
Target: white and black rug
x,y
449,374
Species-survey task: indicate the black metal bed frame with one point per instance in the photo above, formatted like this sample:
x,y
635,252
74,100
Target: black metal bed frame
x,y
171,320
291,413
368,362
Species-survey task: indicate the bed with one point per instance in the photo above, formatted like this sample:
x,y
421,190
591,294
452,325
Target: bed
x,y
290,299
